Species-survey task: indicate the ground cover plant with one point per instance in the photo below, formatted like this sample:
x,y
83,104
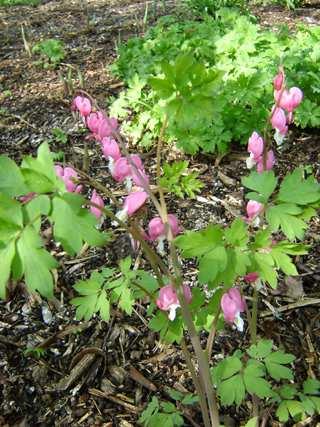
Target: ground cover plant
x,y
19,2
114,269
226,61
250,250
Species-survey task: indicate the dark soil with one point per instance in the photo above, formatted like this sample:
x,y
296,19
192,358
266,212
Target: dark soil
x,y
94,373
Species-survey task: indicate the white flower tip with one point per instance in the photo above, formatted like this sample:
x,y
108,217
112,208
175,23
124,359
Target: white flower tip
x,y
128,182
238,321
250,162
172,311
122,215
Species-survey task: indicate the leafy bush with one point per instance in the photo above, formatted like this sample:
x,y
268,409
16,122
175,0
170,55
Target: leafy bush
x,y
211,6
22,249
19,2
208,75
51,52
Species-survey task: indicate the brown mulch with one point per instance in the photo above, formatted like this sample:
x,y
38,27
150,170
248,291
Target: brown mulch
x,y
94,373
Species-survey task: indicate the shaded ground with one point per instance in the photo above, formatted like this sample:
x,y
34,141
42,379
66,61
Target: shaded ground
x,y
121,363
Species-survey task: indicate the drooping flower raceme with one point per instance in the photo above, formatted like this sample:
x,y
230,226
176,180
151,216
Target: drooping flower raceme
x,y
168,299
97,200
157,230
232,305
68,175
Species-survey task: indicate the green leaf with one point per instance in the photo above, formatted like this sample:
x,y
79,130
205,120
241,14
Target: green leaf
x,y
126,300
252,422
36,208
86,306
262,239
189,399
260,350
278,372
265,268
256,385
73,224
174,331
295,189
274,362
263,184
284,262
237,233
39,173
211,263
159,321
6,255
282,412
285,217
88,287
295,408
287,391
125,265
147,282
152,409
11,179
37,263
103,305
232,390
311,386
197,243
280,357
231,366
11,219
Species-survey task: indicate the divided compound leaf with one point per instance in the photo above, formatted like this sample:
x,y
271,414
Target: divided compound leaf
x,y
36,262
285,216
263,185
11,179
298,190
73,224
274,364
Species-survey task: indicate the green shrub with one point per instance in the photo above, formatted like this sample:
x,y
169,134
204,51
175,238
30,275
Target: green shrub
x,y
19,2
239,57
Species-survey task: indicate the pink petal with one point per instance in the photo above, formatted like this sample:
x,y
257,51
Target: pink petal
x,y
97,200
134,201
255,145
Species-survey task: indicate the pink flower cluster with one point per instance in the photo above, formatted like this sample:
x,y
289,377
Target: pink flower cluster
x,y
286,101
168,299
255,149
102,130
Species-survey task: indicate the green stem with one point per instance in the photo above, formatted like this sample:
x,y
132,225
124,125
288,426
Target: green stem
x,y
199,389
254,316
204,370
212,334
253,334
